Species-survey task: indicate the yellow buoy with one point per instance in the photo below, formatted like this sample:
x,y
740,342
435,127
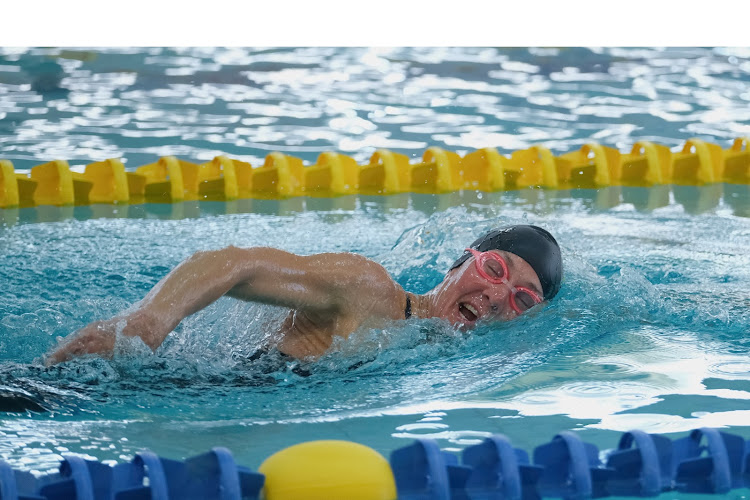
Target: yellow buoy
x,y
328,470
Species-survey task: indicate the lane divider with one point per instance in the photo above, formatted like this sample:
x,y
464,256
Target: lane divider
x,y
705,461
281,176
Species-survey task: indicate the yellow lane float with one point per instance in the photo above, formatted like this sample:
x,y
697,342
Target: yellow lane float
x,y
328,470
281,176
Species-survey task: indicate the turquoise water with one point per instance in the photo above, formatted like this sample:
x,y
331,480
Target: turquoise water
x,y
649,331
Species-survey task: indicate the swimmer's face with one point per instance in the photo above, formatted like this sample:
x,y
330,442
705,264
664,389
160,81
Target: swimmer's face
x,y
467,296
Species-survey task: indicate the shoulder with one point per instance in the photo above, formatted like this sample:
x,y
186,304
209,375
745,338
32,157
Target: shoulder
x,y
350,268
357,278
341,277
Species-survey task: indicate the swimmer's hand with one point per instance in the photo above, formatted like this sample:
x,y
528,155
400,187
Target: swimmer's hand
x,y
98,338
191,286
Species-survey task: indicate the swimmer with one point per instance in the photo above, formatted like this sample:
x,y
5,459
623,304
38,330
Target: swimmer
x,y
501,275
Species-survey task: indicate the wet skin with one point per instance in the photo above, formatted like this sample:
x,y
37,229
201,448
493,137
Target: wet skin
x,y
328,295
465,297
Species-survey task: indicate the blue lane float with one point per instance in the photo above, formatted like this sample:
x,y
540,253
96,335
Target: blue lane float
x,y
642,465
500,471
422,471
644,470
212,475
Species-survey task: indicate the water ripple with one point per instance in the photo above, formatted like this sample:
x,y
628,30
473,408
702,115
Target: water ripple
x,y
735,370
653,307
460,98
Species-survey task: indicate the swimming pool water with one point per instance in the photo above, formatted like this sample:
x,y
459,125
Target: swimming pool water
x,y
649,331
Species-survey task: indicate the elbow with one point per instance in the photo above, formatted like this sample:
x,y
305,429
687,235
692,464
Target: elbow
x,y
230,265
230,253
225,253
225,259
235,261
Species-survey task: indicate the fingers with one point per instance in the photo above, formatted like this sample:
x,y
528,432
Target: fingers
x,y
93,339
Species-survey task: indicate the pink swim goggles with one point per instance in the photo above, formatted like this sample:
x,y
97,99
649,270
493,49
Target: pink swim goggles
x,y
492,267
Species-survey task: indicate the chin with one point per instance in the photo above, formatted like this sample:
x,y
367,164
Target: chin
x,y
463,324
460,322
464,327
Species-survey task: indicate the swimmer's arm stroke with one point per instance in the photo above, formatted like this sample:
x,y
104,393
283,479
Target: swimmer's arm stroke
x,y
317,283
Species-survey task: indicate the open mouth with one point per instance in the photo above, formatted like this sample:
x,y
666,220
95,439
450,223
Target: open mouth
x,y
468,312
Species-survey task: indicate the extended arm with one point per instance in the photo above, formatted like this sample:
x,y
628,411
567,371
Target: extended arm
x,y
263,275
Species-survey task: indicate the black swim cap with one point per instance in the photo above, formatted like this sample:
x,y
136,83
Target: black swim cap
x,y
533,244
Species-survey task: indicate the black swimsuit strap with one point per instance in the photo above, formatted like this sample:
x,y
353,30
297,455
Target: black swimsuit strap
x,y
407,309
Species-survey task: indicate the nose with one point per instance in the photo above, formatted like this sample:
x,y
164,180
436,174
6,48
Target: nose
x,y
498,298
